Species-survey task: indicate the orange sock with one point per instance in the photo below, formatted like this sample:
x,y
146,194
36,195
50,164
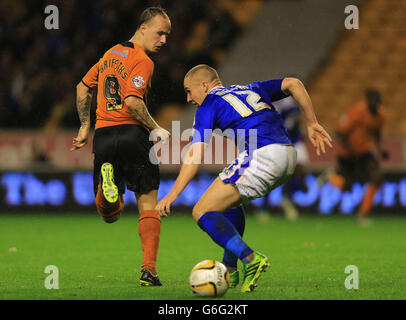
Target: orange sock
x,y
110,212
149,229
368,200
337,181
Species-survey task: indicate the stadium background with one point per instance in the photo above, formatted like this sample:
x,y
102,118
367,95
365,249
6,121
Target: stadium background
x,y
47,207
244,40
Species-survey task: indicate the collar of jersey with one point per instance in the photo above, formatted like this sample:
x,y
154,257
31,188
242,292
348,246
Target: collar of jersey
x,y
212,91
215,89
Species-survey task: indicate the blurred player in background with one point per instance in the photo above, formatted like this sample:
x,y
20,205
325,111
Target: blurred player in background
x,y
359,150
291,115
121,141
254,173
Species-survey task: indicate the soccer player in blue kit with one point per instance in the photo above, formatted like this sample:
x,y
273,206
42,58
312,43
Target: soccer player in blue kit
x,y
267,161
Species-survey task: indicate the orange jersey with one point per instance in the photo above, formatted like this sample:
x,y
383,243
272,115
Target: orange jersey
x,y
361,127
124,70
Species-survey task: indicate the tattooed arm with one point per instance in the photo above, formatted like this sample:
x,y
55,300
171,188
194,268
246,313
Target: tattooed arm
x,y
83,102
140,113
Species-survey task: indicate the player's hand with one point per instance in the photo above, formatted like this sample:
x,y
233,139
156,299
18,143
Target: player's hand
x,y
319,137
81,139
160,134
164,206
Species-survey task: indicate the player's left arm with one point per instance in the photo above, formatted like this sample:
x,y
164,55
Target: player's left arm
x,y
84,96
316,133
378,141
189,168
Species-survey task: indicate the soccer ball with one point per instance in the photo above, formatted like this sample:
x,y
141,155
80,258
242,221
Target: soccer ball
x,y
209,278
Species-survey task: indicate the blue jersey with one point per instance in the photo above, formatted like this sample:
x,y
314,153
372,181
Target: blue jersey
x,y
247,111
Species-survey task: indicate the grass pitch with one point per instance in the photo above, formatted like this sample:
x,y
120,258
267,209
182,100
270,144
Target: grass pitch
x,y
101,261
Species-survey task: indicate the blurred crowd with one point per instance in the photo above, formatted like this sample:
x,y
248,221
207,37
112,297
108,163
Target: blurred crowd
x,y
40,68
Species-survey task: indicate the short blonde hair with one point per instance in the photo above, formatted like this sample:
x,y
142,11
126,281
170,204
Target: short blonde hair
x,y
204,71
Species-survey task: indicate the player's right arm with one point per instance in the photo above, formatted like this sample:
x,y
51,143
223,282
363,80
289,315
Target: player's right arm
x,y
202,129
83,102
84,94
189,168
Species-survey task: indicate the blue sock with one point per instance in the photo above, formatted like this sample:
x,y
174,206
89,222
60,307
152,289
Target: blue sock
x,y
222,231
237,217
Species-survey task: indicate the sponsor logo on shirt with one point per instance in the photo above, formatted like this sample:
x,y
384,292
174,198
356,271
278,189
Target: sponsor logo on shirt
x,y
123,54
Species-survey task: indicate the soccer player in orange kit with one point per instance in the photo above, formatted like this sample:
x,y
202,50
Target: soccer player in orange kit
x,y
121,142
359,149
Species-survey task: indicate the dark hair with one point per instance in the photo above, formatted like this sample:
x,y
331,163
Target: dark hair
x,y
151,12
373,96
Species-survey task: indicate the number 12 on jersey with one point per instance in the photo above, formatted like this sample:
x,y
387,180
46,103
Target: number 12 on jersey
x,y
252,100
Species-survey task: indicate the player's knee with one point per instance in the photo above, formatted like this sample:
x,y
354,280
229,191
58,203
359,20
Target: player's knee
x,y
197,212
111,213
111,218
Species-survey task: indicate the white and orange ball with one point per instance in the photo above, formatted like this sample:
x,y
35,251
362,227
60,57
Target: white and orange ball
x,y
209,278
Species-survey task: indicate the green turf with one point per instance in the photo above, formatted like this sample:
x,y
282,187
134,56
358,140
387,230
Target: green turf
x,y
101,261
